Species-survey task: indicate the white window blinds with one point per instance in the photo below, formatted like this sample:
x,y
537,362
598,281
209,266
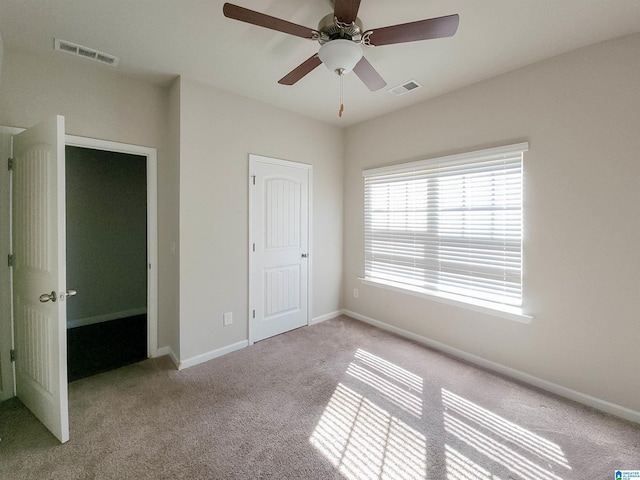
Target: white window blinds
x,y
450,225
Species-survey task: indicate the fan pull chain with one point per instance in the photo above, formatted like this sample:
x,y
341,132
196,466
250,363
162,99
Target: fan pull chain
x,y
341,73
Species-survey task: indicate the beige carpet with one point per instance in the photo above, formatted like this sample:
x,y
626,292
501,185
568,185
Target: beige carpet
x,y
336,400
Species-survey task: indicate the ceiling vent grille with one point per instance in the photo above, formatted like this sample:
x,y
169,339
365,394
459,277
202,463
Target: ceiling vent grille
x,y
85,52
405,88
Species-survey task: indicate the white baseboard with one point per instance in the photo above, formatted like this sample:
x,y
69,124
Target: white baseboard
x,y
81,322
167,350
565,392
190,362
327,316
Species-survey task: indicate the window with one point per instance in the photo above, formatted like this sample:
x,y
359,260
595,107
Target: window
x,y
450,226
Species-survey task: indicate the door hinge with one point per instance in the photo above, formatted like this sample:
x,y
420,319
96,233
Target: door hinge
x,y
254,179
10,164
10,260
254,314
13,355
254,247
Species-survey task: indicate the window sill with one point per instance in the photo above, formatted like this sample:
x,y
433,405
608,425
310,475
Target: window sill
x,y
503,311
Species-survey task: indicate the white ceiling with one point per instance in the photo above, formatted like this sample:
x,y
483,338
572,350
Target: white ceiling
x,y
159,39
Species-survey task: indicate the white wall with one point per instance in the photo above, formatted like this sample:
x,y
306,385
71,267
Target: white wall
x,y
580,114
98,102
218,131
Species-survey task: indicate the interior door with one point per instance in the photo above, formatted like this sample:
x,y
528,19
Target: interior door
x,y
280,242
39,273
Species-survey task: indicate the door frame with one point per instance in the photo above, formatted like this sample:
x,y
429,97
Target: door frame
x,y
253,159
8,386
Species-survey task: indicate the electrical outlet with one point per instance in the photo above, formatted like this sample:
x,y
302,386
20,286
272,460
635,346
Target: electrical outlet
x,y
227,318
355,293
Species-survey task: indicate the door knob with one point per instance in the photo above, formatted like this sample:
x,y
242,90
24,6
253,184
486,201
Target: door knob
x,y
68,293
305,255
45,297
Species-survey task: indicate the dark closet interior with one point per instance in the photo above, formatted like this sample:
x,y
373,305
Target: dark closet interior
x,y
106,209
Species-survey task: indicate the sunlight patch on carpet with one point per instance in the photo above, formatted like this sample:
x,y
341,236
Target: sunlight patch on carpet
x,y
397,385
363,440
460,467
361,437
371,429
521,451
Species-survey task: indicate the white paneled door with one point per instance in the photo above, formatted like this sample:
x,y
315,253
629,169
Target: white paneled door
x,y
279,246
39,271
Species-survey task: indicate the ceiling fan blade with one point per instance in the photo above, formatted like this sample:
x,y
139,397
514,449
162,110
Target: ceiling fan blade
x,y
369,75
346,11
301,70
256,18
410,32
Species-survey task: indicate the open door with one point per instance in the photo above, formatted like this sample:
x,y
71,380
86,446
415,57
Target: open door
x,y
39,273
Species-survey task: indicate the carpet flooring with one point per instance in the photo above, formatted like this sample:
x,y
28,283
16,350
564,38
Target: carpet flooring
x,y
97,348
339,399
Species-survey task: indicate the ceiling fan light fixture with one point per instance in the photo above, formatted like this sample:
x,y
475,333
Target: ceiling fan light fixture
x,y
340,55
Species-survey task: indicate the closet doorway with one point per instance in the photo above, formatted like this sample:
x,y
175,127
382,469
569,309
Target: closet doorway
x,y
108,263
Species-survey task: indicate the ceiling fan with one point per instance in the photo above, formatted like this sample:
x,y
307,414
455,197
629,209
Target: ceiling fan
x,y
341,36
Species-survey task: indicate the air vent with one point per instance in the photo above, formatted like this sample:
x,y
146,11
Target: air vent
x,y
405,88
85,52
